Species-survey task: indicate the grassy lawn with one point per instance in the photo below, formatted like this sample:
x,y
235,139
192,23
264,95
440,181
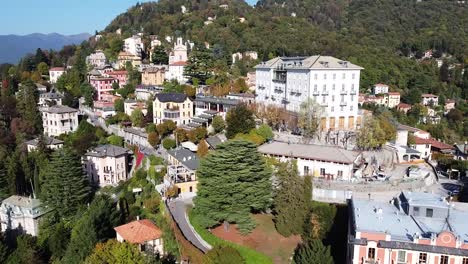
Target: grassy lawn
x,y
251,256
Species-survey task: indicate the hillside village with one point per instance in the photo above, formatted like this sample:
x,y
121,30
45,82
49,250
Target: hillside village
x,y
136,147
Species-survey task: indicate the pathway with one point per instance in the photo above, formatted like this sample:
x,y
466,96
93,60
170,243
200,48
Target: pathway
x,y
178,210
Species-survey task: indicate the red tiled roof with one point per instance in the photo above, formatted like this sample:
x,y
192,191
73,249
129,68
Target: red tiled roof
x,y
57,69
117,73
428,95
178,63
380,84
403,105
394,93
138,232
434,143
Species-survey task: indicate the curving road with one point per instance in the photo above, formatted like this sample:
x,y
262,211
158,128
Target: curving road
x,y
178,210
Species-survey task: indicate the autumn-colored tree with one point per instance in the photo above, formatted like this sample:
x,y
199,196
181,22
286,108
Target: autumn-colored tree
x,y
203,149
153,139
115,252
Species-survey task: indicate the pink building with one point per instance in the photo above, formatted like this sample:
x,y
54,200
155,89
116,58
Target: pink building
x,y
107,165
120,76
413,228
102,85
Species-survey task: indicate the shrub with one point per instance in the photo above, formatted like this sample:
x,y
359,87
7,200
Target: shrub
x,y
169,143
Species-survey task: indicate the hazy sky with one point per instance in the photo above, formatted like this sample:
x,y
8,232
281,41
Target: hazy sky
x,y
22,17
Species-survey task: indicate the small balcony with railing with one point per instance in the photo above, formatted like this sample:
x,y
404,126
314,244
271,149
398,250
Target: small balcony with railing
x,y
180,174
171,113
343,103
315,92
343,92
353,92
324,92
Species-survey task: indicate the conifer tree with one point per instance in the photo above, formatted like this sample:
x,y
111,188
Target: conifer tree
x,y
312,252
239,120
291,207
65,187
233,182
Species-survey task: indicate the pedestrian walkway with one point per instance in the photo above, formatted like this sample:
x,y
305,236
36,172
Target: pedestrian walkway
x,y
178,210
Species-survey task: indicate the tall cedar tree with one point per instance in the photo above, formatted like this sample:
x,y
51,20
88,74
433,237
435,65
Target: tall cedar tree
x,y
93,227
31,121
159,56
65,187
233,182
200,64
291,208
312,252
239,120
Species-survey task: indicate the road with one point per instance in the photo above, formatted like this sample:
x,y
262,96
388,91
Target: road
x,y
178,209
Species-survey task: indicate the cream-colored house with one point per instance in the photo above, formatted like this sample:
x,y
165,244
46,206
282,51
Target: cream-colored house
x,y
143,233
48,142
153,76
131,104
393,99
176,107
181,171
107,165
59,119
125,57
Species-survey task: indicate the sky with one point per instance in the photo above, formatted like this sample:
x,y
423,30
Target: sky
x,y
21,17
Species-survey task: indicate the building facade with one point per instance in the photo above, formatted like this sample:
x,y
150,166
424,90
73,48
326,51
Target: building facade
x,y
96,59
380,88
143,233
179,53
22,214
130,105
319,161
330,82
102,85
153,76
176,72
48,142
413,228
176,107
107,165
134,45
120,76
428,99
58,120
181,171
55,73
211,103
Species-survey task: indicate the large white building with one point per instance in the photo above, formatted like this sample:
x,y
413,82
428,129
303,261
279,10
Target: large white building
x,y
55,73
59,119
22,214
331,82
107,165
325,162
134,45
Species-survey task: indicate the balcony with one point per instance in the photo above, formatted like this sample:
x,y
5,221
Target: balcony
x,y
316,92
277,90
324,104
324,92
343,92
279,80
261,87
171,114
285,101
353,92
343,103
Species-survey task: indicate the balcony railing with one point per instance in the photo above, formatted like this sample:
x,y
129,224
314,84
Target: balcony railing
x,y
316,92
279,80
343,92
353,92
285,101
343,103
324,92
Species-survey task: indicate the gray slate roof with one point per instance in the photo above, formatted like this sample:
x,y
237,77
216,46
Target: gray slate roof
x,y
23,202
215,140
108,151
47,141
313,152
59,109
186,157
217,100
312,62
171,97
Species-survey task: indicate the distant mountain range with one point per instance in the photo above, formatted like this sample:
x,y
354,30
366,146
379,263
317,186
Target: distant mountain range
x,y
14,47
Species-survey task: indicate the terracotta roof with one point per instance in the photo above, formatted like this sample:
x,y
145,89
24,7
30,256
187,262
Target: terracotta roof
x,y
117,73
380,84
138,232
57,69
403,105
393,93
178,63
434,143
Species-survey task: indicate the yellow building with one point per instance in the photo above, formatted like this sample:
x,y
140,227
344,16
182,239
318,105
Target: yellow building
x,y
153,76
176,107
181,171
125,57
393,99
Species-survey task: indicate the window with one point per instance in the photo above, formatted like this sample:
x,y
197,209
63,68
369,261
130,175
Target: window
x,y
465,261
341,108
416,211
333,87
422,258
306,170
322,171
354,76
323,99
371,253
333,110
352,97
342,87
429,212
344,76
352,87
333,98
401,257
334,76
351,108
325,76
444,259
315,76
340,173
324,87
315,87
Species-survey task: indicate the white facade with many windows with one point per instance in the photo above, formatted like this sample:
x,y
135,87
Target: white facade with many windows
x,y
59,119
332,83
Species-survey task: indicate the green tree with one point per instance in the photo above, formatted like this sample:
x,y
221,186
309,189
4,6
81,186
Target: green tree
x,y
87,91
116,140
3,252
218,124
113,251
370,135
159,56
28,98
65,187
96,225
312,252
239,120
137,117
169,143
200,64
290,206
4,192
233,182
265,132
26,251
224,255
43,68
119,105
